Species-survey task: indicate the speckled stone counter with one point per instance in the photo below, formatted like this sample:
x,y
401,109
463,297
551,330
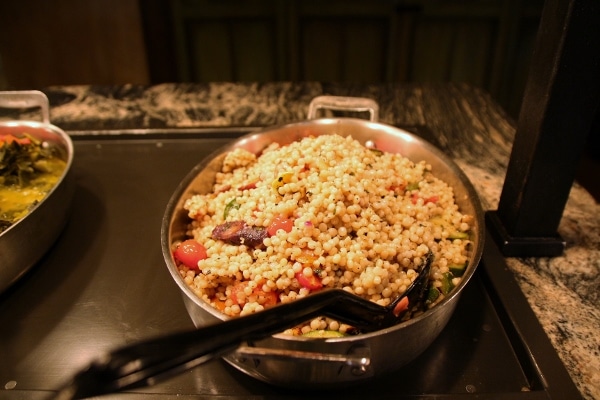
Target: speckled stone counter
x,y
464,122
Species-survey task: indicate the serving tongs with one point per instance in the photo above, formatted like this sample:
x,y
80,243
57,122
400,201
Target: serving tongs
x,y
146,363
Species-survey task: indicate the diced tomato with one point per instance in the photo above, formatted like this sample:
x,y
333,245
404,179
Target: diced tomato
x,y
190,252
431,199
249,186
312,282
401,306
280,222
399,188
219,304
223,189
414,198
267,299
11,138
235,290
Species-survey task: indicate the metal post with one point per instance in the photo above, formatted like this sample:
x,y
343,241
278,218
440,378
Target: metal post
x,y
561,98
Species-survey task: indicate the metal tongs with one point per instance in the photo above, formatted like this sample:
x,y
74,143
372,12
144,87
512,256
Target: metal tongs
x,y
146,363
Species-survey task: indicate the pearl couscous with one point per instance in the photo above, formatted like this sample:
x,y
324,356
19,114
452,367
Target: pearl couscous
x,y
324,211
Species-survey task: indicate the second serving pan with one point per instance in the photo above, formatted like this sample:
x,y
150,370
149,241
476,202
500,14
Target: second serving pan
x,y
24,243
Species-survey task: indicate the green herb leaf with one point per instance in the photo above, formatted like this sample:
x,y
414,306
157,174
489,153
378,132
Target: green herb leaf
x,y
233,204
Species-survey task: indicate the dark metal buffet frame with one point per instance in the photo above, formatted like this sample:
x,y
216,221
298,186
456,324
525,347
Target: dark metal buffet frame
x,y
561,100
105,284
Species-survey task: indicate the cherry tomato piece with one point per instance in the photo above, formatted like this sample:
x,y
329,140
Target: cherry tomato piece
x,y
414,198
312,282
267,299
401,307
189,252
280,222
249,186
432,199
219,304
235,293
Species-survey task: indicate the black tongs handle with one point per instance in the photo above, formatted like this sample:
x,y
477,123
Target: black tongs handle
x,y
148,362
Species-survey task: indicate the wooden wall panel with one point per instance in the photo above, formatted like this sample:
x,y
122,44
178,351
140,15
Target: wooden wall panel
x,y
349,50
449,50
480,42
56,42
235,40
62,42
239,50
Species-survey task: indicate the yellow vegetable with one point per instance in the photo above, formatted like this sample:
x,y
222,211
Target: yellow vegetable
x,y
323,334
281,180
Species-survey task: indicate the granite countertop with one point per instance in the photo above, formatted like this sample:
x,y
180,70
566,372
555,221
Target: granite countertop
x,y
466,124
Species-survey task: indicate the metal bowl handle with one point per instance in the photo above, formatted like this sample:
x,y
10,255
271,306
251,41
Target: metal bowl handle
x,y
341,103
358,358
26,99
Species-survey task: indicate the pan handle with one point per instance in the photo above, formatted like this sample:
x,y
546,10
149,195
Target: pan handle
x,y
26,99
341,103
357,358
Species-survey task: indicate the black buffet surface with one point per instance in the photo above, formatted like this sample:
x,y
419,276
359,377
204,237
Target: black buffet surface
x,y
104,284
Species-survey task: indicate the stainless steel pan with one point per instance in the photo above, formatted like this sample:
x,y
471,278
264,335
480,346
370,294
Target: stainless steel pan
x,y
27,240
318,363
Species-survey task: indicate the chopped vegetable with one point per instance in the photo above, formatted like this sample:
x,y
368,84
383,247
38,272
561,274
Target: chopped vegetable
x,y
397,188
447,284
431,199
457,269
228,231
323,333
402,306
20,158
412,186
223,189
280,222
267,299
281,180
190,252
432,294
455,234
249,186
28,171
8,139
237,293
306,257
233,204
239,297
237,232
312,282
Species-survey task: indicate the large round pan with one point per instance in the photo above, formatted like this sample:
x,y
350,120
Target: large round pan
x,y
317,363
24,243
